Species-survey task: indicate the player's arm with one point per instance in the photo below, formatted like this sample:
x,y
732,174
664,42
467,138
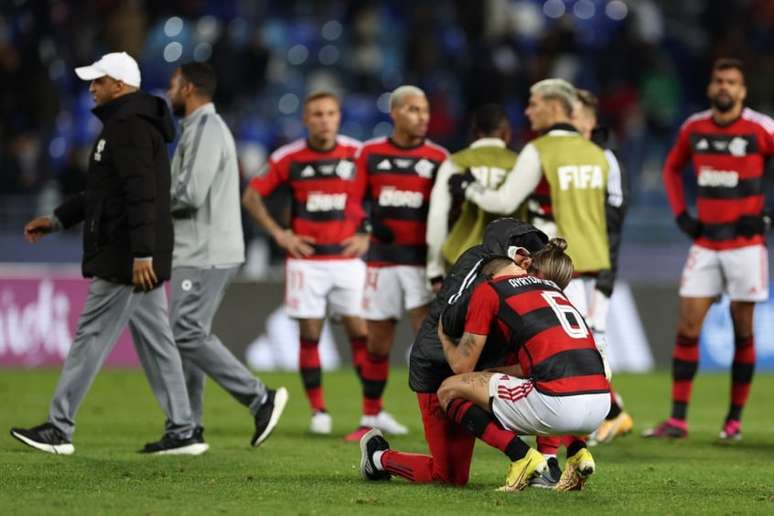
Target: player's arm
x,y
133,159
673,183
437,221
69,213
252,200
518,184
189,189
483,306
357,245
462,356
615,211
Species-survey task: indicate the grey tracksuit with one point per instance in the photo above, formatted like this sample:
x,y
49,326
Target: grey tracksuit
x,y
208,249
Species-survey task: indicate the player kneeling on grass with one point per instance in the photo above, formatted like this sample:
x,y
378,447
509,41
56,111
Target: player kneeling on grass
x,y
561,387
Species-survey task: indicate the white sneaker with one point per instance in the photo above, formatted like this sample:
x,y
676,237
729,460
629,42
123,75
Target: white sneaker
x,y
321,423
385,422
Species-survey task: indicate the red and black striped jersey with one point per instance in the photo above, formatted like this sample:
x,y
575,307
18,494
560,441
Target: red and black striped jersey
x,y
327,203
554,346
398,181
729,162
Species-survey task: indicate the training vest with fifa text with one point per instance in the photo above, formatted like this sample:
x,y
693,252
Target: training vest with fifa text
x,y
489,164
574,185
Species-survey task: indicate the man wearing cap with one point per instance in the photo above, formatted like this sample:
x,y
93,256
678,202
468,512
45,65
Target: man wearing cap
x,y
127,253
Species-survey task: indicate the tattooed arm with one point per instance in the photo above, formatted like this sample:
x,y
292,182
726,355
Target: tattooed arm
x,y
462,357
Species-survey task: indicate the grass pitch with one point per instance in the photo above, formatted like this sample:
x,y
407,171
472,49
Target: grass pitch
x,y
297,473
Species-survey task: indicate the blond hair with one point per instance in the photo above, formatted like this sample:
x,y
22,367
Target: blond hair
x,y
557,89
552,263
401,92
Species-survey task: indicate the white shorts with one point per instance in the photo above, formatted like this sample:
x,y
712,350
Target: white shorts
x,y
316,288
390,290
741,273
519,407
592,304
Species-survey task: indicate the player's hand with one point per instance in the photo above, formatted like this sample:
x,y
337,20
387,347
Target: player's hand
x,y
37,228
298,246
751,225
436,284
689,225
143,276
458,183
356,245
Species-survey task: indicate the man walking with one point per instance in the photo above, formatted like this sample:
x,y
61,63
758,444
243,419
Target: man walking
x,y
208,250
127,251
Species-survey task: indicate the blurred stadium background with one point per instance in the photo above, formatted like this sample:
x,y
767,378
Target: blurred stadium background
x,y
648,60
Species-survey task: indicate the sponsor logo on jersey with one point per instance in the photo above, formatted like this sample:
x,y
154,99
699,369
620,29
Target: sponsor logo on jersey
x,y
384,165
402,162
580,177
718,178
345,169
393,197
424,168
317,202
308,171
327,170
702,145
737,146
490,177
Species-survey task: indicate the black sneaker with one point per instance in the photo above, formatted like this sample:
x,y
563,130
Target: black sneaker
x,y
549,477
372,442
45,437
198,434
171,445
268,414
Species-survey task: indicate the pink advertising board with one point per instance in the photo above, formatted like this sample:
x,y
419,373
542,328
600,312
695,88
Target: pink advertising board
x,y
38,315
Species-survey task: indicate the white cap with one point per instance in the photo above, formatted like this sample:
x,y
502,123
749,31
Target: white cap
x,y
118,65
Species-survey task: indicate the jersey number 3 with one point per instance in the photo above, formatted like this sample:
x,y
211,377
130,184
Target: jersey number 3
x,y
571,320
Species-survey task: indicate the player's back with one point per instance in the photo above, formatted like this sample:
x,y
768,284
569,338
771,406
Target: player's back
x,y
555,347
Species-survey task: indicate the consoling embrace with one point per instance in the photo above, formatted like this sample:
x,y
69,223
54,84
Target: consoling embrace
x,y
548,377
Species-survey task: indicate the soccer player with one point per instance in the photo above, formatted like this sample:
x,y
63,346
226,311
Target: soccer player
x,y
324,271
617,422
727,146
451,447
566,179
452,229
556,353
398,173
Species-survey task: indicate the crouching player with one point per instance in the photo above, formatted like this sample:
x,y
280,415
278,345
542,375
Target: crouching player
x,y
561,387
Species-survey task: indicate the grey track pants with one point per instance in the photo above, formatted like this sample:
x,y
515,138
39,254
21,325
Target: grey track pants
x,y
196,295
109,307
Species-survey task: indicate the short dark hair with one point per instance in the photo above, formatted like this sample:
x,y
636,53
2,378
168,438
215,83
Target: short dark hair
x,y
489,118
728,63
202,76
494,265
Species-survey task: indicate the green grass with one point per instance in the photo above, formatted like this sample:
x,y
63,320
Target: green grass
x,y
296,473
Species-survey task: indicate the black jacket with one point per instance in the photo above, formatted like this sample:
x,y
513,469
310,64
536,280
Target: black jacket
x,y
125,207
427,364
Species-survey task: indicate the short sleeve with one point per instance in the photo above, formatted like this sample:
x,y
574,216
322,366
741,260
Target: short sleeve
x,y
482,310
268,180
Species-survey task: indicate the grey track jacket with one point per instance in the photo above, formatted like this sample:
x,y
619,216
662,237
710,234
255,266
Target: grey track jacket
x,y
205,194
